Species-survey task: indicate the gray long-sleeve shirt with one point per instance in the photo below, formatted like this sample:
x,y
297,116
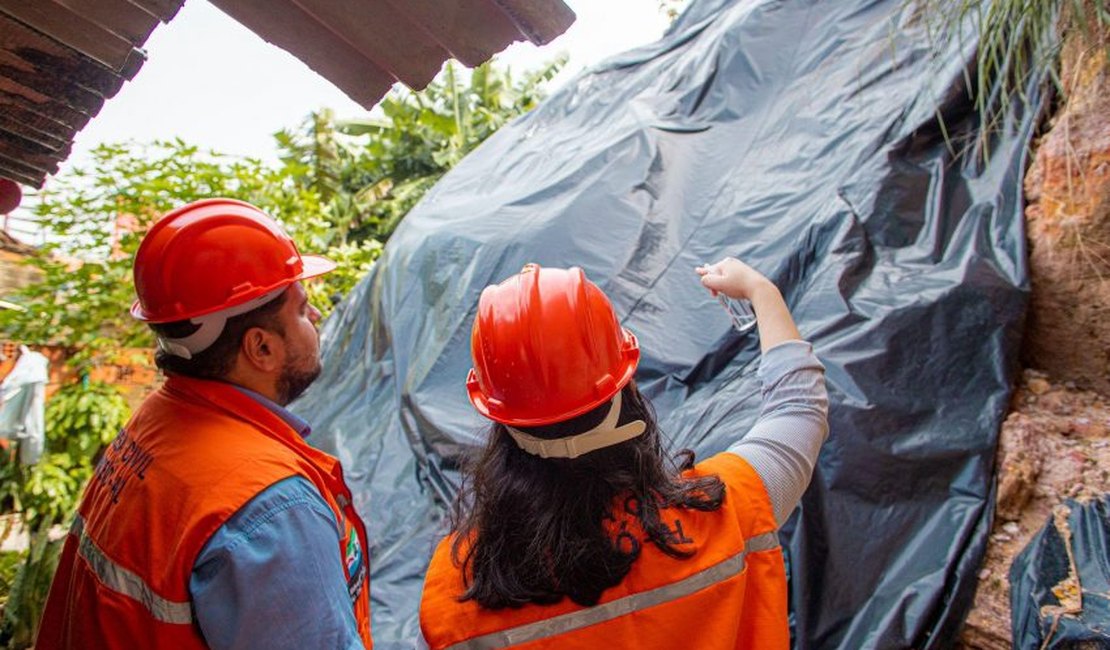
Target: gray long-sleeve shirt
x,y
782,446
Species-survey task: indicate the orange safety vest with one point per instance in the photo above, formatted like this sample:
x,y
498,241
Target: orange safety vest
x,y
730,594
192,455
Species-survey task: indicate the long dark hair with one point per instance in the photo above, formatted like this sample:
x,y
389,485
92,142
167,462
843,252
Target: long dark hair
x,y
533,530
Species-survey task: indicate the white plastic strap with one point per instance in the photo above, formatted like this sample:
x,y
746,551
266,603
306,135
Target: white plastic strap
x,y
211,326
603,435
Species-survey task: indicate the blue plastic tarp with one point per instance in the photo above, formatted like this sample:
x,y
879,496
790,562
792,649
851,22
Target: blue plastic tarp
x,y
805,138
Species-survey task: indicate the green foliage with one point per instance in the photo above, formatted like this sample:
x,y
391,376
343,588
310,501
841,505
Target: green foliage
x,y
96,220
9,567
11,487
342,188
22,609
371,172
51,488
1017,39
80,420
354,260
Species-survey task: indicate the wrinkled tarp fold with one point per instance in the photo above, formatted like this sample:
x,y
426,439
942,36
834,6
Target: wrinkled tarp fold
x,y
804,138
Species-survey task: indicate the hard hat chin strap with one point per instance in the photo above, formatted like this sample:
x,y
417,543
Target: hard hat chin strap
x,y
603,435
211,326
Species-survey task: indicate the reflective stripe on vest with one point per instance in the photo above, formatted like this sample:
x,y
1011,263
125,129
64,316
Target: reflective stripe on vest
x,y
708,577
120,580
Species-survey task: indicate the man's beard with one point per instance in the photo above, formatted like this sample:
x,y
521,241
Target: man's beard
x,y
294,381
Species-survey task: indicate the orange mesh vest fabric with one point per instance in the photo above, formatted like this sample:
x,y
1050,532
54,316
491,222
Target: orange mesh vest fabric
x,y
730,594
191,456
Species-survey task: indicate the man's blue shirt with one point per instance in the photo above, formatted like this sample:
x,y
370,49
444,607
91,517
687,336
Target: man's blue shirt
x,y
272,576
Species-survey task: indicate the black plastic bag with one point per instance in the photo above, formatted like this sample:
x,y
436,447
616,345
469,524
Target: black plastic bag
x,y
1060,582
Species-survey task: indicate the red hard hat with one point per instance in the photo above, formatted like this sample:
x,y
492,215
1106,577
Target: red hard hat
x,y
212,255
547,347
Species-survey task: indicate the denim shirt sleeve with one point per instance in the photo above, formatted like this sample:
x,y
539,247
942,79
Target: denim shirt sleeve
x,y
272,577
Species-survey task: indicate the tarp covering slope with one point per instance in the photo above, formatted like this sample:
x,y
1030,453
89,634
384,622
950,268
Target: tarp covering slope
x,y
802,137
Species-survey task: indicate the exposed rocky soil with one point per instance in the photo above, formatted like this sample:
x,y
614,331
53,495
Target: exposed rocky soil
x,y
1068,223
1055,444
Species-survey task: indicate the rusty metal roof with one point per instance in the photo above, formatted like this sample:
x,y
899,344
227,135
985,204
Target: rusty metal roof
x,y
60,59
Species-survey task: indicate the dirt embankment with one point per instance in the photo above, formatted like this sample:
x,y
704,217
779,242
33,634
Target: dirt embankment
x,y
1055,443
1068,223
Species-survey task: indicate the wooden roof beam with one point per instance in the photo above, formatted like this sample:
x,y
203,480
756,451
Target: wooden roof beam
x,y
30,165
164,9
78,32
541,22
397,45
296,31
128,20
68,119
471,31
27,125
33,146
28,49
34,180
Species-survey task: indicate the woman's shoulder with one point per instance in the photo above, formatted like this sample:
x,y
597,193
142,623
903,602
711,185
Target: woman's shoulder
x,y
745,493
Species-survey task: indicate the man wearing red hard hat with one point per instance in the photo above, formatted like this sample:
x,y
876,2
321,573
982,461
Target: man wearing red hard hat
x,y
210,522
574,528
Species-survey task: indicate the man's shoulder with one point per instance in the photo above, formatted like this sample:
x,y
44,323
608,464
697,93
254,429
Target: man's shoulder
x,y
204,446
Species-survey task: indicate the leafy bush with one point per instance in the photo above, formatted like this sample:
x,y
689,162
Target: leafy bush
x,y
23,606
9,566
51,489
370,172
80,420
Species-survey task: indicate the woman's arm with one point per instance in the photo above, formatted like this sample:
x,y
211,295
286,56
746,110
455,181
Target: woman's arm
x,y
737,280
785,441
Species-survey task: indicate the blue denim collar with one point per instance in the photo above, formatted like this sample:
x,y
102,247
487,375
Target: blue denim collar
x,y
299,424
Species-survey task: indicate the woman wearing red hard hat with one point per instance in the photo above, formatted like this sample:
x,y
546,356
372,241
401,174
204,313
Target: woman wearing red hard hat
x,y
210,521
574,529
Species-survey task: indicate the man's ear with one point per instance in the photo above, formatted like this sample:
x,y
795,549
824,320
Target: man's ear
x,y
262,349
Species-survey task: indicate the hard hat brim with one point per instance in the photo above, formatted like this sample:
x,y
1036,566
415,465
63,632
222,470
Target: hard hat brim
x,y
315,265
